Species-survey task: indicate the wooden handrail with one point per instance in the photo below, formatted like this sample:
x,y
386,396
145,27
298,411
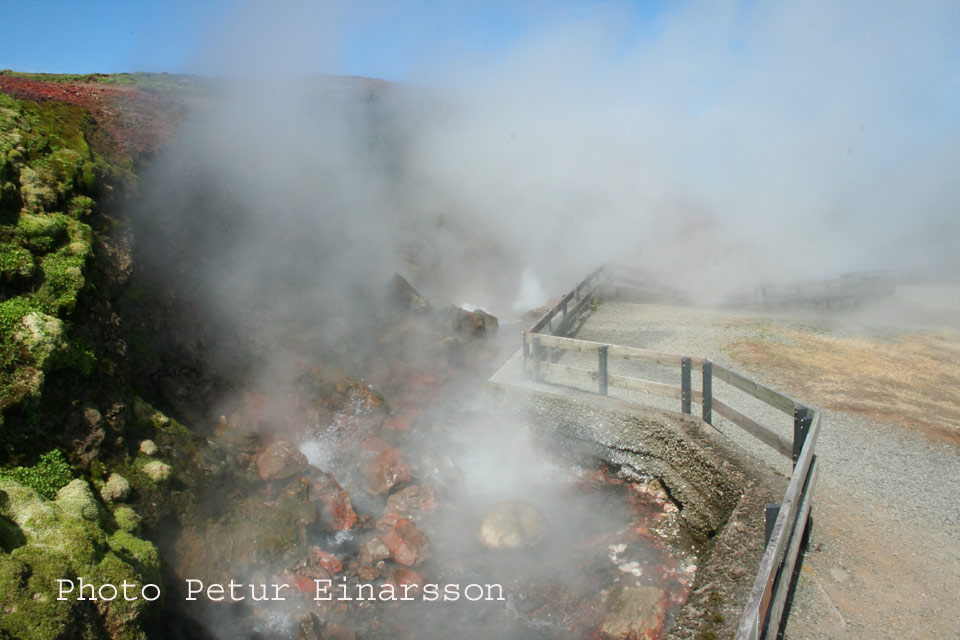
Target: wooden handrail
x,y
763,594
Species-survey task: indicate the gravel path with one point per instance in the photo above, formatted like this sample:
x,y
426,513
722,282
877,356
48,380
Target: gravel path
x,y
884,559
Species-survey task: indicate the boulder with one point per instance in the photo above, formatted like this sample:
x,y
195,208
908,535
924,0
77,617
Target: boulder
x,y
410,503
148,448
76,499
336,509
403,295
280,460
408,544
373,550
386,471
116,489
470,324
127,519
512,525
634,612
157,471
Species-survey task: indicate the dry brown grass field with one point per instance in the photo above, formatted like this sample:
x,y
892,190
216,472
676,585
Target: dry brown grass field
x,y
913,379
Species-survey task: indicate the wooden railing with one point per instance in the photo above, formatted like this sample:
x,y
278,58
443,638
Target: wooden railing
x,y
545,342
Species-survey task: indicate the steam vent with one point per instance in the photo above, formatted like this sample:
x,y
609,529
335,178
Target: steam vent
x,y
510,321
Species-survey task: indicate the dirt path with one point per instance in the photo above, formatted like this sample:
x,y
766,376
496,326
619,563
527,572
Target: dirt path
x,y
884,559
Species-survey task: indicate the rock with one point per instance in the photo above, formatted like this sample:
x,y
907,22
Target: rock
x,y
77,499
410,503
389,469
405,582
127,519
116,489
157,471
470,324
336,512
310,627
281,459
403,295
407,543
43,336
634,612
148,448
512,525
737,572
141,410
328,561
490,322
92,416
373,550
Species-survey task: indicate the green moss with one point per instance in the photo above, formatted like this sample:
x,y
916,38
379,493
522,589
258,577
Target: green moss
x,y
12,312
77,500
47,477
65,539
28,593
139,553
127,519
42,232
62,281
120,617
80,206
80,357
53,164
15,262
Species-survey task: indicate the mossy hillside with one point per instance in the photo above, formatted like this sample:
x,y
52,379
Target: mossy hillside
x,y
50,178
70,536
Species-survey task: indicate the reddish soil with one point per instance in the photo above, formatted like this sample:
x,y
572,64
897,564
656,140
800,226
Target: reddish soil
x,y
137,120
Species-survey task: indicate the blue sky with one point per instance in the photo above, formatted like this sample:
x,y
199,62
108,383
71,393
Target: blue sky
x,y
374,38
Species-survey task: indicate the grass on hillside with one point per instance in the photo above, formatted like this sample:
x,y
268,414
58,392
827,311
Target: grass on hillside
x,y
913,381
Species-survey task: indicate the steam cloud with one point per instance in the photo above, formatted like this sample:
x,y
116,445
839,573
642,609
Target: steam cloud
x,y
725,143
734,140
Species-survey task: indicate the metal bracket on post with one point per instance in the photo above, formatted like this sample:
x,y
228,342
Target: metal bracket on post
x,y
773,510
708,392
603,369
537,354
685,366
801,426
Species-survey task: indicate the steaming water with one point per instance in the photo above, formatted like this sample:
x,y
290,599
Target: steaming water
x,y
531,294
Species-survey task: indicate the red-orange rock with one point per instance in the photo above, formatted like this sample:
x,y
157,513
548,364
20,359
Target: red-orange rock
x,y
326,560
407,543
386,471
405,581
336,513
410,503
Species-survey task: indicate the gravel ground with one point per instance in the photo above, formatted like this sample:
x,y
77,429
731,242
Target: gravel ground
x,y
884,559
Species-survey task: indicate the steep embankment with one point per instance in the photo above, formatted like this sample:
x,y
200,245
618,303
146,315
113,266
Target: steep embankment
x,y
68,157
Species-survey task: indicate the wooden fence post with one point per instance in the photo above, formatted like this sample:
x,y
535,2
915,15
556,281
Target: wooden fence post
x,y
708,392
801,426
603,369
537,352
685,366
